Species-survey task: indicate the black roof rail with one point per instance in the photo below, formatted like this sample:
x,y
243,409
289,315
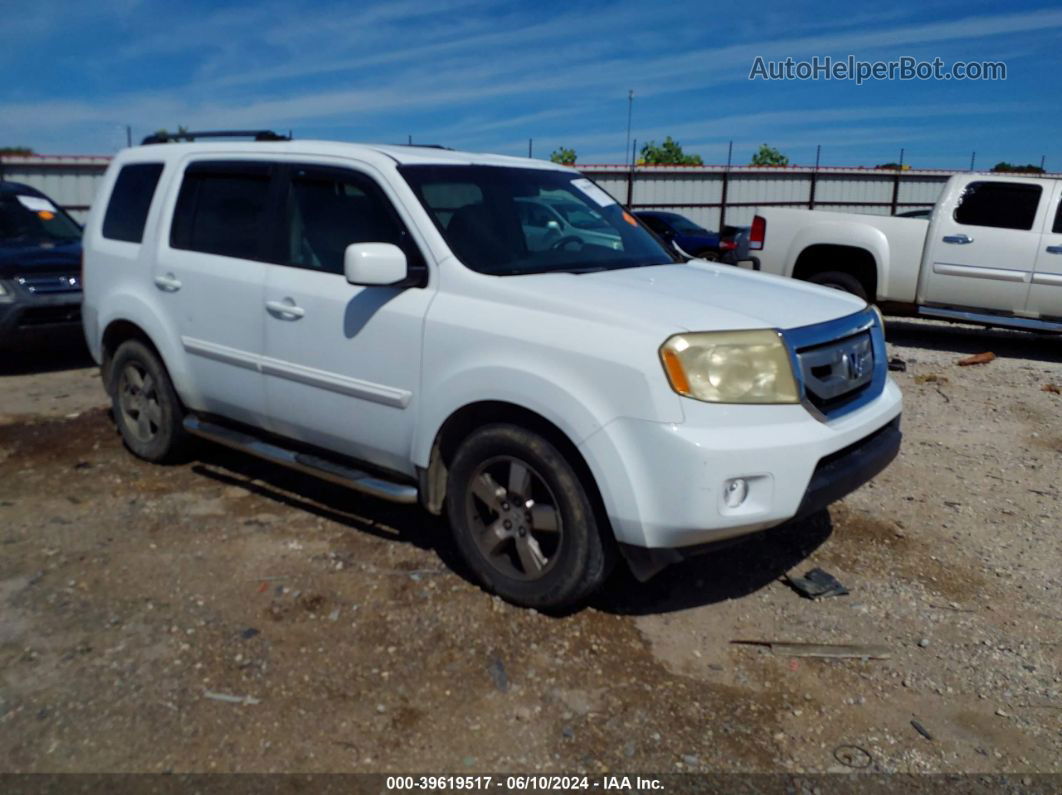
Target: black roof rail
x,y
258,135
428,146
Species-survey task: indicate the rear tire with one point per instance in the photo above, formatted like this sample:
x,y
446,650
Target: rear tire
x,y
840,281
146,408
709,254
523,521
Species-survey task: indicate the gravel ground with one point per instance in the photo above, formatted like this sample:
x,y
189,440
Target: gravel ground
x,y
226,615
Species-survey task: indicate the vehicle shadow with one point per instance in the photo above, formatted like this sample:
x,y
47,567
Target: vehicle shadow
x,y
58,353
974,339
407,524
727,573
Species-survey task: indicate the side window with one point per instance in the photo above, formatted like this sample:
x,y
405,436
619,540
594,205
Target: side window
x,y
329,209
222,209
533,215
130,201
1006,205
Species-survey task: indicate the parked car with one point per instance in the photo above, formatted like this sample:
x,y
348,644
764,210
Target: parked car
x,y
40,262
552,221
681,231
990,253
376,316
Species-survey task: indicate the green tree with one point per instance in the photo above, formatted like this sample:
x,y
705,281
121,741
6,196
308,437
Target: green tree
x,y
15,150
768,156
1008,168
889,166
669,153
563,155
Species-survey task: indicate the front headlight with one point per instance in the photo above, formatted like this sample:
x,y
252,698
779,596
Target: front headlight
x,y
730,367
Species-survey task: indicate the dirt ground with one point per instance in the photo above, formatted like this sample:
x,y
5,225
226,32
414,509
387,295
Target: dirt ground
x,y
227,615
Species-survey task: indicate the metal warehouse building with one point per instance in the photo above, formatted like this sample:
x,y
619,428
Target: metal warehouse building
x,y
710,195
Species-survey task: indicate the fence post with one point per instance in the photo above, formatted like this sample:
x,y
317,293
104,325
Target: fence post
x,y
814,178
726,186
630,176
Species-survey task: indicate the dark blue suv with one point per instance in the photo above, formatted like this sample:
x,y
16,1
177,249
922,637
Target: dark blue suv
x,y
40,266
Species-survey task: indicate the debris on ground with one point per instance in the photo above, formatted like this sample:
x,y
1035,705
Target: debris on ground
x,y
918,727
496,669
898,365
930,378
853,756
825,650
1052,388
977,358
230,699
816,584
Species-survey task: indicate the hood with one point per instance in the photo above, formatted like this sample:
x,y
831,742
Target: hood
x,y
696,296
18,259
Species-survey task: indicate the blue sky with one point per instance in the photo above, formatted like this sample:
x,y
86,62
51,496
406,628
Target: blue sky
x,y
487,75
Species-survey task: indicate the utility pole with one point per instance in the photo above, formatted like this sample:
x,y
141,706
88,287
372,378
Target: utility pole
x,y
630,108
530,141
410,141
973,157
1043,158
128,135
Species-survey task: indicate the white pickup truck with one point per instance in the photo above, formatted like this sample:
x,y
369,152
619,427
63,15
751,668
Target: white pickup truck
x,y
991,253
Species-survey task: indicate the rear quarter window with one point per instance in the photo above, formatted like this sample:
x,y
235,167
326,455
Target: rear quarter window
x,y
130,201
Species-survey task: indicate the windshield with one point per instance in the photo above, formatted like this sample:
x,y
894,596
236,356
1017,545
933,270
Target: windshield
x,y
32,220
509,221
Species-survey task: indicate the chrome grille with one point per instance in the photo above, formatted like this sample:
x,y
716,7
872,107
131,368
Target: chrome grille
x,y
39,284
840,364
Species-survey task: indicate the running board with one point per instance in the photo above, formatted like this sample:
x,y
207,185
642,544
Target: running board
x,y
310,464
1003,321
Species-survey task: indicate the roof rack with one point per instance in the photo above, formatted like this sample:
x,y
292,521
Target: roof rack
x,y
258,135
428,146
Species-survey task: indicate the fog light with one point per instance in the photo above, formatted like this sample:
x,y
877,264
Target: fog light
x,y
735,491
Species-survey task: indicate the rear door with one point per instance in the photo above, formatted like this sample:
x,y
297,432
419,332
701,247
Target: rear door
x,y
342,366
1045,292
983,249
210,274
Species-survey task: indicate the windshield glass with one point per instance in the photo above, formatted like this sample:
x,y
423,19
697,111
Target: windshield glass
x,y
509,221
32,220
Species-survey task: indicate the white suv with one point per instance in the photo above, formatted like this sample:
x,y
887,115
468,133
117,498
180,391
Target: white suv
x,y
375,315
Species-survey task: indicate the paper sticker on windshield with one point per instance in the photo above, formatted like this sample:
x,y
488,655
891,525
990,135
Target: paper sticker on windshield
x,y
36,203
594,192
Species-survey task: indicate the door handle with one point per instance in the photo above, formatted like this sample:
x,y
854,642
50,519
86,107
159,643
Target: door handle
x,y
1054,249
286,309
960,239
168,283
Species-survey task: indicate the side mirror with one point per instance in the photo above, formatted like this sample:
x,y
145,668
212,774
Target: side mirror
x,y
552,225
374,264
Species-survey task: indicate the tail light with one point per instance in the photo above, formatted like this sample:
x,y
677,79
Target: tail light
x,y
727,245
758,233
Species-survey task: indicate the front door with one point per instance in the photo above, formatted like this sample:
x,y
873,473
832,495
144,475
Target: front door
x,y
342,364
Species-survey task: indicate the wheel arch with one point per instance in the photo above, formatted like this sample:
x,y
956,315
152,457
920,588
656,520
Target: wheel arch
x,y
471,416
855,261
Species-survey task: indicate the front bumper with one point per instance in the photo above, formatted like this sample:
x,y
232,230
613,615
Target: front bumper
x,y
664,485
29,317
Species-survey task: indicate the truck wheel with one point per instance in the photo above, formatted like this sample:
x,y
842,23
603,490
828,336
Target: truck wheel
x,y
522,519
840,281
709,255
146,408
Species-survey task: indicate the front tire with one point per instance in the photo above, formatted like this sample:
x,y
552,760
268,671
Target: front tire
x,y
146,408
837,280
523,521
